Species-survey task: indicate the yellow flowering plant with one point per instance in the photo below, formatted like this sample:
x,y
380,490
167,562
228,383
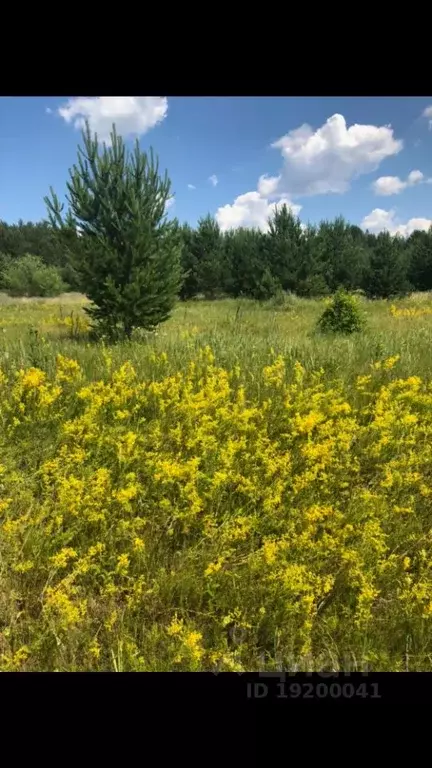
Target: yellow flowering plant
x,y
191,521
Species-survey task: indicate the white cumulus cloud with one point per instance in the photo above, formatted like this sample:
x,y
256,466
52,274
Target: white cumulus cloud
x,y
393,185
213,180
380,220
315,162
428,113
250,210
388,185
132,115
415,177
326,160
170,202
267,185
191,186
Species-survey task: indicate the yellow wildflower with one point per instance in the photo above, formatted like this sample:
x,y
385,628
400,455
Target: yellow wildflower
x,y
176,626
123,563
33,378
192,641
214,567
61,559
390,362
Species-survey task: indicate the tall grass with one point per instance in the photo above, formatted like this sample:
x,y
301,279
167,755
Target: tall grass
x,y
240,331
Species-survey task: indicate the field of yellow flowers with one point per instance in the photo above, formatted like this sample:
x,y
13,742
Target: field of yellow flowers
x,y
229,495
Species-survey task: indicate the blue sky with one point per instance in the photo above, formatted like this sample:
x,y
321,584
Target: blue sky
x,y
242,156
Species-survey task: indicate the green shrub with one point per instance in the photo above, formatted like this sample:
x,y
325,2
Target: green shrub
x,y
29,276
342,315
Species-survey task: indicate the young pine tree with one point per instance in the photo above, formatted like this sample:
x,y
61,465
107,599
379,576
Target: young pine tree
x,y
341,315
284,246
189,287
309,280
341,254
386,275
207,250
129,259
250,275
419,249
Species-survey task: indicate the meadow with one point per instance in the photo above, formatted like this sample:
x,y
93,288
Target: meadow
x,y
231,492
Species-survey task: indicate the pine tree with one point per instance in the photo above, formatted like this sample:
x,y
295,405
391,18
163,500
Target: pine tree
x,y
309,279
386,275
283,246
189,287
341,254
341,315
208,255
419,249
129,261
250,275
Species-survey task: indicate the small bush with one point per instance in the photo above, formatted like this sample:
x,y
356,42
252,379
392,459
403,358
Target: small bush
x,y
29,276
342,315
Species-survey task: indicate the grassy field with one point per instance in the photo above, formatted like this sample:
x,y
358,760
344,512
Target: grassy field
x,y
232,492
34,331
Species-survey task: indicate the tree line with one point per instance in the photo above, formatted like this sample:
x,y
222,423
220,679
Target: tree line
x,y
309,261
